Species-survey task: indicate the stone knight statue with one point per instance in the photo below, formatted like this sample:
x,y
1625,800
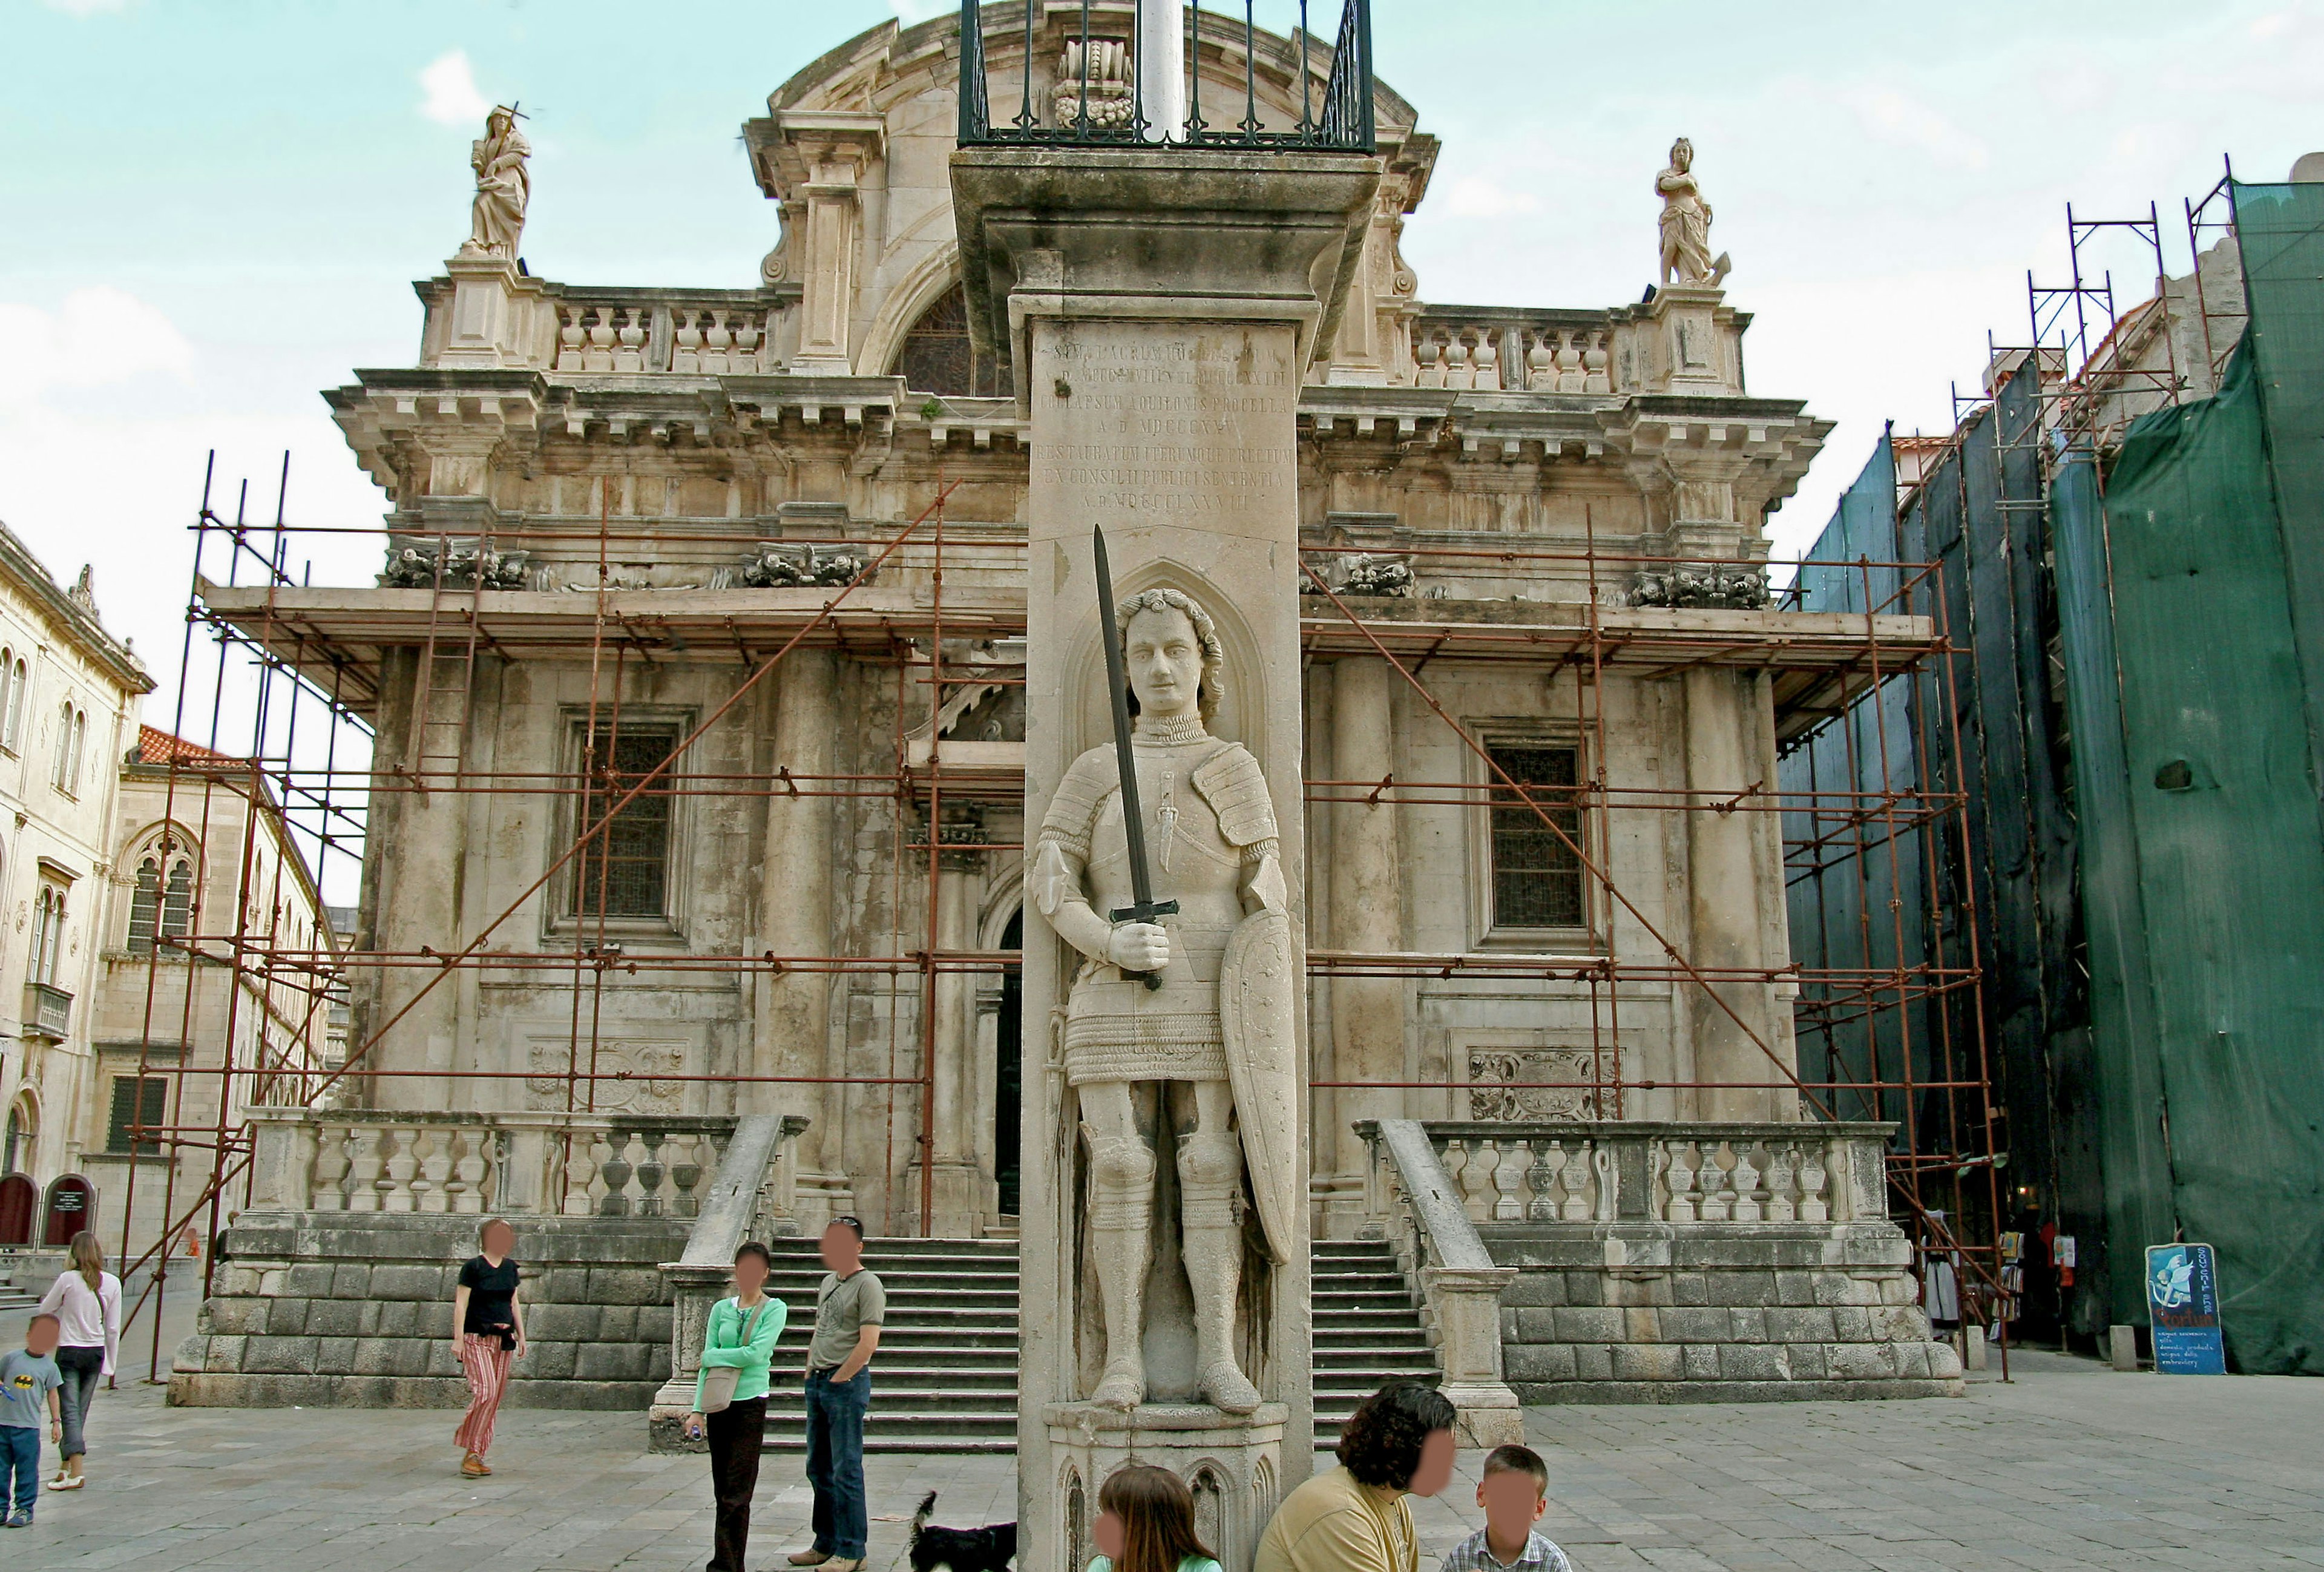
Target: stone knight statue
x,y
1181,1026
502,187
1686,224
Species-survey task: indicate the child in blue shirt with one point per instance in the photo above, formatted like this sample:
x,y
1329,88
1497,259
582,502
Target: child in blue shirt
x,y
29,1380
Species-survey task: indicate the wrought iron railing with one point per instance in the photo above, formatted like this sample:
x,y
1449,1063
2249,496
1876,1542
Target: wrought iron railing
x,y
1104,91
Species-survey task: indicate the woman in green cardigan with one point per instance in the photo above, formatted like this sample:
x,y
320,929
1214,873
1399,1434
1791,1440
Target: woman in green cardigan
x,y
741,1337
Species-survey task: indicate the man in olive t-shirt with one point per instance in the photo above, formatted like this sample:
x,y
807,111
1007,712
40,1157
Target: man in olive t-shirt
x,y
848,1309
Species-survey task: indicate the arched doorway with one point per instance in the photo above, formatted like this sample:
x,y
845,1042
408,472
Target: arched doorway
x,y
1009,1077
19,1198
72,1206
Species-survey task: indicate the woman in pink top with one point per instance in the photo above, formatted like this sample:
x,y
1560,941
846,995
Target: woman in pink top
x,y
87,1303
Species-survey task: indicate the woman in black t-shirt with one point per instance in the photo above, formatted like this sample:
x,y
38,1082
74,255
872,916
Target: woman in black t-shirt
x,y
487,1333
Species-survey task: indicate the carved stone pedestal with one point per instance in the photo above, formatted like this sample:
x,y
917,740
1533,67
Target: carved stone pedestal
x,y
1232,1462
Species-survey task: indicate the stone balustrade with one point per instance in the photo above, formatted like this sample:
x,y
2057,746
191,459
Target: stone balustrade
x,y
1664,1173
712,333
1477,348
542,1164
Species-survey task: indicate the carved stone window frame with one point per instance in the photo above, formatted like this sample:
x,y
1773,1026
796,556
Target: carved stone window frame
x,y
1494,733
564,921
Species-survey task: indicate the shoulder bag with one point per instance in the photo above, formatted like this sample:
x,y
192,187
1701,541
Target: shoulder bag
x,y
718,1383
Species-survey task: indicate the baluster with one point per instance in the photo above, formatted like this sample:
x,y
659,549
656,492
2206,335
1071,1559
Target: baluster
x,y
584,1151
1457,370
651,1171
599,356
632,354
715,345
472,1170
1813,1208
391,1170
685,1173
570,337
1781,1159
1541,1178
1486,371
685,343
1429,368
434,1151
1601,1163
1508,1177
1570,379
1682,1182
329,1193
1746,1180
1577,1183
1594,376
614,1173
746,359
367,1155
1538,360
1711,1179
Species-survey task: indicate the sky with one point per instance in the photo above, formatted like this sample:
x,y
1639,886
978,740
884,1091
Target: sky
x,y
210,213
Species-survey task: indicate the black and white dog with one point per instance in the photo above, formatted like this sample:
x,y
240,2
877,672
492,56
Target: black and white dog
x,y
985,1549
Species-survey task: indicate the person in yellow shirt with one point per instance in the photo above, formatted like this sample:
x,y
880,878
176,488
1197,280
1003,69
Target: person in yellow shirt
x,y
1354,1518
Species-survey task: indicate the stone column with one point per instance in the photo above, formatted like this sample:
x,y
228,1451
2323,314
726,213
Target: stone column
x,y
1366,915
794,1016
1160,308
1725,907
421,864
957,1207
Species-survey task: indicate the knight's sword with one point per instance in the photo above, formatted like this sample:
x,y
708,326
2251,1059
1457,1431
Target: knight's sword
x,y
1143,907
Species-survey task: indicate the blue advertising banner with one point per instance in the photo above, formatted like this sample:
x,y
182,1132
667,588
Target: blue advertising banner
x,y
2182,1296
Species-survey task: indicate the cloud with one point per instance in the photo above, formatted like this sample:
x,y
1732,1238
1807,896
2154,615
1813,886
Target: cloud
x,y
1903,121
86,7
98,336
452,97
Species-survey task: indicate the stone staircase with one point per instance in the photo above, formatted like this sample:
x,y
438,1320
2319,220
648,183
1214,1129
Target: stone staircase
x,y
946,1378
1368,1330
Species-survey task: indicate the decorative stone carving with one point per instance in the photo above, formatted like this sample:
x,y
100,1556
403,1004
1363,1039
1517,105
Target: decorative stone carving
x,y
1686,225
791,567
1110,106
1366,575
1738,588
1182,1027
504,187
1499,1088
464,568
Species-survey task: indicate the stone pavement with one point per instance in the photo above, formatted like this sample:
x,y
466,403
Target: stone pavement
x,y
2070,1467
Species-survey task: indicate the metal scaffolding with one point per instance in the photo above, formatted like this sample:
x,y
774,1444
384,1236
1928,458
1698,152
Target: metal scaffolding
x,y
302,700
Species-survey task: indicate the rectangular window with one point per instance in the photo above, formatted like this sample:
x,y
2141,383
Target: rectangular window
x,y
1536,877
127,1112
626,868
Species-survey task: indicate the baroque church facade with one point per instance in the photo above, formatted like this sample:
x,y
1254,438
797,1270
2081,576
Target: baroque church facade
x,y
612,507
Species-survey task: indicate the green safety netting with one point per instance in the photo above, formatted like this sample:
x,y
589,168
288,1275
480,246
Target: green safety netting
x,y
2191,613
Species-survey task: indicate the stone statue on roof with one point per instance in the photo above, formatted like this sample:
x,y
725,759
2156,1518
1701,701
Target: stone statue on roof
x,y
1686,225
503,186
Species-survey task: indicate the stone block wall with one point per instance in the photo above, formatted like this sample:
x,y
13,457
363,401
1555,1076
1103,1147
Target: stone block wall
x,y
1713,1312
321,1309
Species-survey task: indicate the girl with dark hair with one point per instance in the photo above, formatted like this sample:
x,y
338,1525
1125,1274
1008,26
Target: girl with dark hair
x,y
1146,1524
487,1337
730,1398
1355,1519
85,1301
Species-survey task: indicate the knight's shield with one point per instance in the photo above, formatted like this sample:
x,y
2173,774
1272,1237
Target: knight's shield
x,y
1258,1006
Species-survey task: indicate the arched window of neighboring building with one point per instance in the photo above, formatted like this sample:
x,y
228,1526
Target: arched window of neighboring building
x,y
20,688
173,898
48,934
24,1126
72,733
7,695
936,356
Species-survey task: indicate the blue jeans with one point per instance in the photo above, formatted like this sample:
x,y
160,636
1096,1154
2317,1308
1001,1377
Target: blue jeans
x,y
834,1461
20,1453
83,1369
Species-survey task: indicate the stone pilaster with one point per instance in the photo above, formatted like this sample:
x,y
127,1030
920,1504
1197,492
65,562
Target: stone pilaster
x,y
1723,718
1368,1013
814,162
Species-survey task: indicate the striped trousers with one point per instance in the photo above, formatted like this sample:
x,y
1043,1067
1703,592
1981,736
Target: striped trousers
x,y
486,1365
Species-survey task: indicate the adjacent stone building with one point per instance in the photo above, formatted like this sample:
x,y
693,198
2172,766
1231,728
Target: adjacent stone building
x,y
68,695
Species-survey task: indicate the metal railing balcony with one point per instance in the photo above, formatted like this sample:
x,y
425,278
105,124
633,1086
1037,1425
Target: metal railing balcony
x,y
1129,74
